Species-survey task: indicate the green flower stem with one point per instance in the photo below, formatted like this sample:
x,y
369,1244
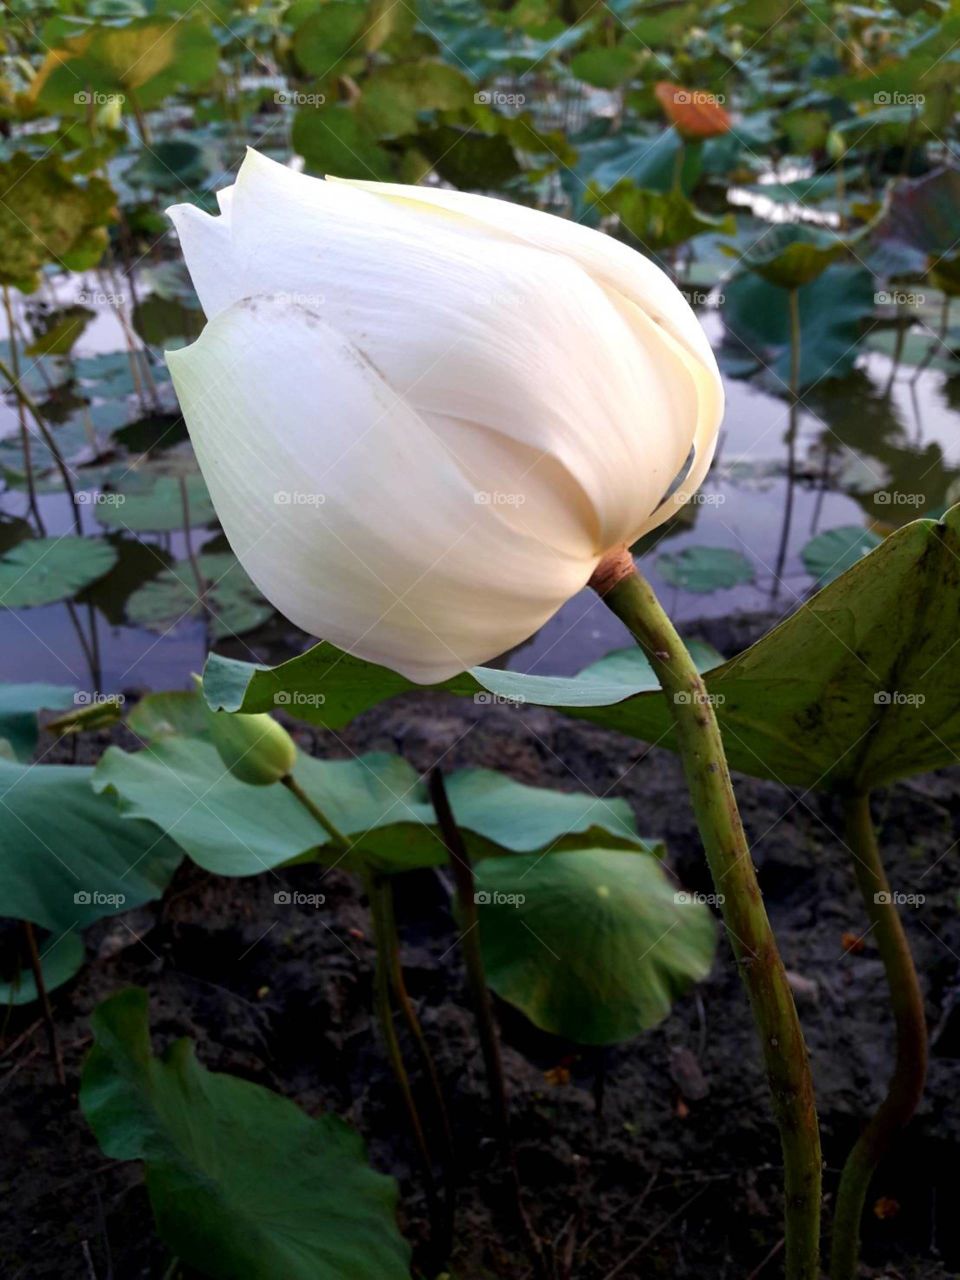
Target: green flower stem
x,y
906,998
462,869
427,1063
380,912
380,897
316,812
715,807
36,966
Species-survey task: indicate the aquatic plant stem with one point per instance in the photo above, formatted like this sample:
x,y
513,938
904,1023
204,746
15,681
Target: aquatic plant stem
x,y
379,910
700,746
380,896
906,999
795,336
36,966
47,435
429,1066
462,869
22,417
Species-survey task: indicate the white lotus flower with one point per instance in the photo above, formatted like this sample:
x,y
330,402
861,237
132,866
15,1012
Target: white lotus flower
x,y
424,416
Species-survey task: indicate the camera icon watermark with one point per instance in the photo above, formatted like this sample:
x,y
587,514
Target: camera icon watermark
x,y
493,898
496,498
297,498
494,98
99,499
488,699
894,698
88,98
298,698
96,898
897,899
686,697
691,897
293,98
701,498
83,698
294,898
100,298
897,99
899,298
895,498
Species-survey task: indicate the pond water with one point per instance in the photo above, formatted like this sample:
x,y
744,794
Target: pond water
x,y
869,451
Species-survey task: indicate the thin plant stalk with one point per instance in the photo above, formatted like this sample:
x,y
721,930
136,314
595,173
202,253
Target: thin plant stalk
x,y
700,745
429,1066
462,869
47,435
22,417
906,999
794,303
36,966
939,338
381,909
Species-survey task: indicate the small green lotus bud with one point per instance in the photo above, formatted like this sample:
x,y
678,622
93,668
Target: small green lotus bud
x,y
836,145
254,748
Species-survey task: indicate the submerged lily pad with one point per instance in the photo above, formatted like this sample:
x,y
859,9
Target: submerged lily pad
x,y
231,603
45,570
705,569
19,704
594,944
160,508
830,554
241,1181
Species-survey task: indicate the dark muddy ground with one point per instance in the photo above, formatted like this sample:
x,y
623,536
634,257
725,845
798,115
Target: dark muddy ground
x,y
663,1185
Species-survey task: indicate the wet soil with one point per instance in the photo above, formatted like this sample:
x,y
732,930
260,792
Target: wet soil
x,y
678,1177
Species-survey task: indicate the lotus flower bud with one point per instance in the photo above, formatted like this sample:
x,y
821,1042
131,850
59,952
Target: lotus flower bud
x,y
255,748
425,416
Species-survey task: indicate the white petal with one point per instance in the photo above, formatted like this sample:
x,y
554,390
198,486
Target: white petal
x,y
611,263
398,563
489,334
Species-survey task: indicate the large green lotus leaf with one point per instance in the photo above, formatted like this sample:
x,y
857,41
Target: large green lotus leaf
x,y
829,697
45,570
833,310
19,704
394,96
231,602
241,1181
336,139
60,960
658,219
147,59
49,216
56,333
181,785
159,508
790,255
67,855
593,945
920,220
329,35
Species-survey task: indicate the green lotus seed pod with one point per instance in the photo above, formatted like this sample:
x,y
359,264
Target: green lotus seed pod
x,y
255,749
